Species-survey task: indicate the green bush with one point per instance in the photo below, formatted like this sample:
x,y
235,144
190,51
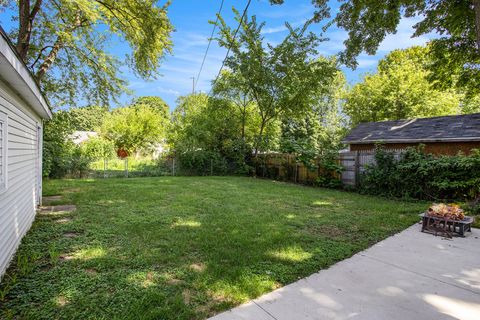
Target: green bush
x,y
64,160
423,176
329,173
201,163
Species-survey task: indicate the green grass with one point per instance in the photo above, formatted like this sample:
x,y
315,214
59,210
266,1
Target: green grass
x,y
119,164
185,247
142,167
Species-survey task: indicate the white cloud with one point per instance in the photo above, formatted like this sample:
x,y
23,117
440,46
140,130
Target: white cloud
x,y
190,39
364,63
274,30
403,38
283,27
168,91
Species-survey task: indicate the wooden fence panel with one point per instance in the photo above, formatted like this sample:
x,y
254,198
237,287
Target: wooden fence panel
x,y
285,167
348,161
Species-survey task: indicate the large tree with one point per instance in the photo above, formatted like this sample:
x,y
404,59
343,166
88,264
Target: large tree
x,y
232,87
282,80
319,130
401,89
66,44
456,21
155,103
134,128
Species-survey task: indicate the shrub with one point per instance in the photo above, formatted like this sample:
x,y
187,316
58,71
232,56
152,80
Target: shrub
x,y
419,175
202,163
329,173
65,160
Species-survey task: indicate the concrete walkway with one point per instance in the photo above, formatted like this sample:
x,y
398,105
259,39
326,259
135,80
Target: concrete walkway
x,y
411,275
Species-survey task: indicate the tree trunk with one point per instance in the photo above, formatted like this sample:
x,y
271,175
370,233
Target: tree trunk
x,y
244,116
262,127
476,8
25,26
49,60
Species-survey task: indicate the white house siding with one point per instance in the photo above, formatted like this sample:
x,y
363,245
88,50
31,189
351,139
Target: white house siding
x,y
18,202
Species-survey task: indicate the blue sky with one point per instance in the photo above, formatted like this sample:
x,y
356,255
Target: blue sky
x,y
190,19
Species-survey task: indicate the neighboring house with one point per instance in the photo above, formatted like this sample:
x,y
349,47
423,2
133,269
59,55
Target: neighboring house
x,y
22,110
79,137
159,150
446,135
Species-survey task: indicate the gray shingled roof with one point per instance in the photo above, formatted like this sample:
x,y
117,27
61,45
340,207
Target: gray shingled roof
x,y
437,129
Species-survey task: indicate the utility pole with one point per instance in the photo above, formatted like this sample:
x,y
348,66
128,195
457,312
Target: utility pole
x,y
193,84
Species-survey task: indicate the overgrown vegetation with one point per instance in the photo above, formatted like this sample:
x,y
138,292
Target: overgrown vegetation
x,y
423,176
184,247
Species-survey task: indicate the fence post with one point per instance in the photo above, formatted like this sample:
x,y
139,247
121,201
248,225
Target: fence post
x,y
211,167
357,167
104,168
126,167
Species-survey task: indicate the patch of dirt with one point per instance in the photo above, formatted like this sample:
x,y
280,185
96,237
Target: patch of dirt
x,y
62,301
215,299
91,271
71,234
65,257
63,220
175,282
198,267
187,296
325,230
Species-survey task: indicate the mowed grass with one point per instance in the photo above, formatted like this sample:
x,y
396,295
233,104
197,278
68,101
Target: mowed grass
x,y
185,247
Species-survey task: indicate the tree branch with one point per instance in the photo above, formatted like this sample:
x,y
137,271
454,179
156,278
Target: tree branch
x,y
39,56
25,24
476,8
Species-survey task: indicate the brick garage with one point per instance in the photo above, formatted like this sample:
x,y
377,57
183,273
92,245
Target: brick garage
x,y
447,135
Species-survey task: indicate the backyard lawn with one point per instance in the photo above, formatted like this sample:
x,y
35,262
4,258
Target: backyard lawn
x,y
184,247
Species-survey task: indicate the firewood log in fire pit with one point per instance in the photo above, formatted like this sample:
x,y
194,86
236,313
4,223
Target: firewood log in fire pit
x,y
448,211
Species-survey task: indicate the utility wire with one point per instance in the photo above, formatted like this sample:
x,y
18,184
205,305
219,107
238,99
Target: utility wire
x,y
230,46
208,46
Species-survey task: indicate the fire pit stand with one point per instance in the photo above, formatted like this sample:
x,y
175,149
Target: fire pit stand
x,y
445,225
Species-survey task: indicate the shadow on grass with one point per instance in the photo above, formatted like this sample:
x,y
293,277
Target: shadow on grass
x,y
186,248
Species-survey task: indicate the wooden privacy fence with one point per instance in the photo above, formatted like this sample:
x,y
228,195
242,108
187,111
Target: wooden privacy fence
x,y
354,164
284,166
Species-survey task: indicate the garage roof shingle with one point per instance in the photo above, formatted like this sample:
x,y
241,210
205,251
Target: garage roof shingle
x,y
436,129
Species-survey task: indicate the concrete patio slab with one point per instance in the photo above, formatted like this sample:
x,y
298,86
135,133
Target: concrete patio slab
x,y
47,200
57,209
411,275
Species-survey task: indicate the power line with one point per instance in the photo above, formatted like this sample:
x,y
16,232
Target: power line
x,y
208,46
230,46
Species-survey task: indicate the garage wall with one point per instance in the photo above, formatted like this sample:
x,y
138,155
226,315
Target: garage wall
x,y
20,197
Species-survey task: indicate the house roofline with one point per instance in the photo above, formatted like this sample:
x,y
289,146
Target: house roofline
x,y
469,139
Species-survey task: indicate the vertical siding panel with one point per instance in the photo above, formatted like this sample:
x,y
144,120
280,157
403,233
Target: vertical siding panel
x,y
18,201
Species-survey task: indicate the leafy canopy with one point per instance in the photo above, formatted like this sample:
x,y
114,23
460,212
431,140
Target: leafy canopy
x,y
319,130
401,89
98,148
155,103
134,128
282,80
456,21
66,44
